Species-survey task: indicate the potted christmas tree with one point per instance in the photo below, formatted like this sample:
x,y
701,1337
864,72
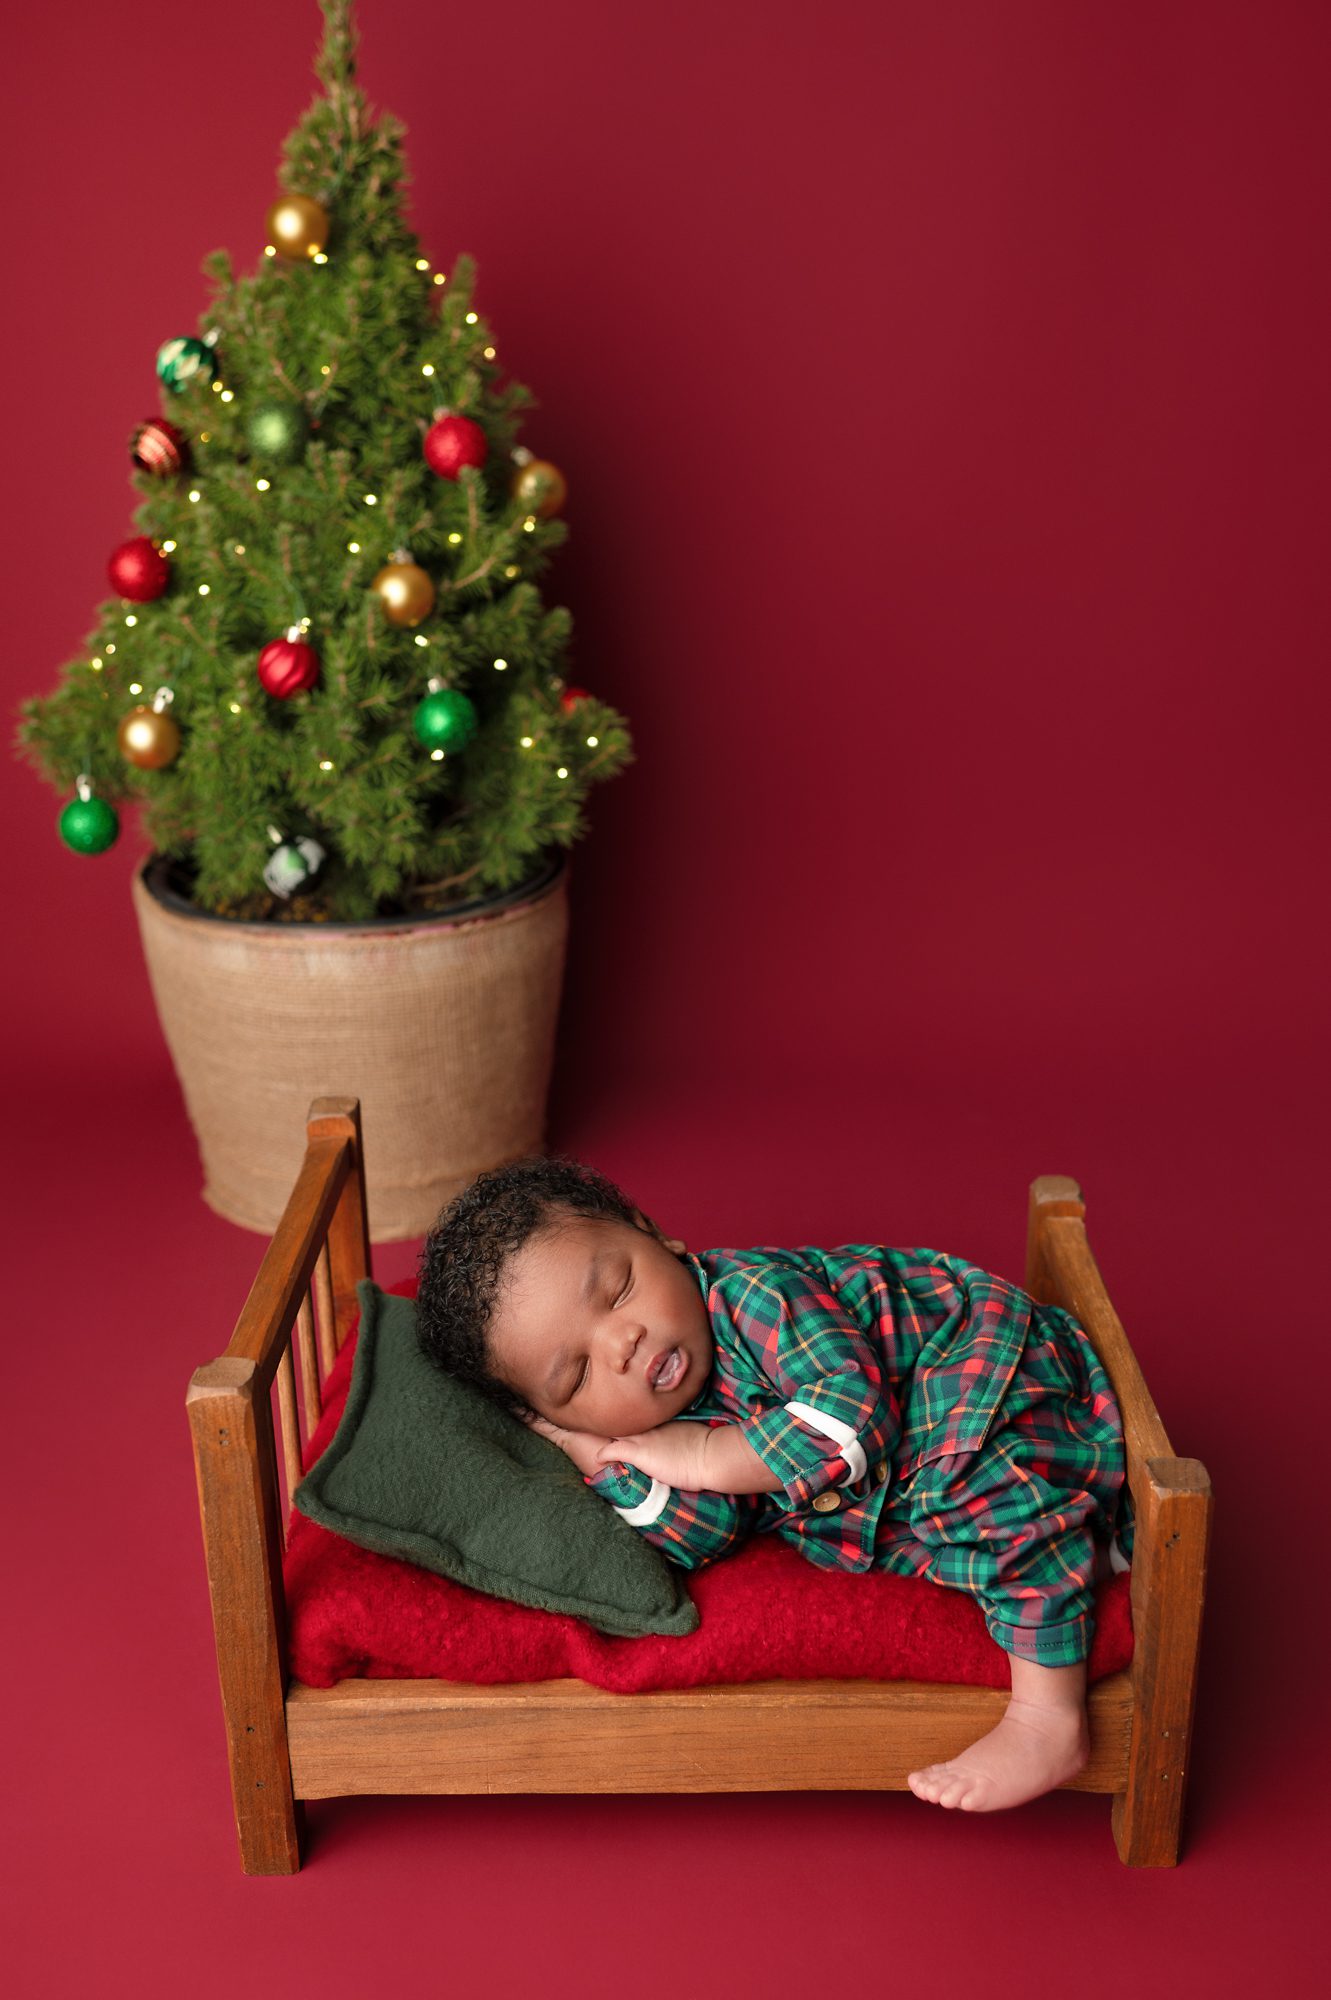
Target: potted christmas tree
x,y
328,679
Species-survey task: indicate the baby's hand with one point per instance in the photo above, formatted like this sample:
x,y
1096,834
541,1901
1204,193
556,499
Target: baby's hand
x,y
673,1452
583,1447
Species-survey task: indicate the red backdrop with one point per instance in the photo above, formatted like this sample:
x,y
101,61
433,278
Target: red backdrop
x,y
943,397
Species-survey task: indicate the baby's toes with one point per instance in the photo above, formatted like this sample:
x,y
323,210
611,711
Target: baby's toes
x,y
928,1783
956,1789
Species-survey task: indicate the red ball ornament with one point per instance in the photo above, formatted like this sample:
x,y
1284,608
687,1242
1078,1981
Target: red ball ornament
x,y
451,443
286,666
138,570
570,698
159,448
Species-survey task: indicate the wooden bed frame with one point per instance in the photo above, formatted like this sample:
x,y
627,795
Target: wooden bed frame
x,y
288,1743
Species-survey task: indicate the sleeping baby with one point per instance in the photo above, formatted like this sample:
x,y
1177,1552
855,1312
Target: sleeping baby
x,y
882,1409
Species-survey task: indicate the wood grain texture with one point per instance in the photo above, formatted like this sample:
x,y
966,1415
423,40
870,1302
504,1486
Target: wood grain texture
x,y
564,1736
235,1466
349,1232
1168,1592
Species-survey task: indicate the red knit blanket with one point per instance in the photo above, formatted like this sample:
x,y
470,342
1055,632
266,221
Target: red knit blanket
x,y
766,1614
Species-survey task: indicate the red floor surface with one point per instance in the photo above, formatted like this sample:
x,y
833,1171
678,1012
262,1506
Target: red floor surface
x,y
124,1870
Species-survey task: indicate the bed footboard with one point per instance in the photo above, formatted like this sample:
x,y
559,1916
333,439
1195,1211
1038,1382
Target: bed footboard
x,y
1171,1535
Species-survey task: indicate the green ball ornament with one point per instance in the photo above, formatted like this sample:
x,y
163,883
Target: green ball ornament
x,y
445,720
88,825
278,431
183,361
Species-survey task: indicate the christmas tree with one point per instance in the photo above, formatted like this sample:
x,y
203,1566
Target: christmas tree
x,y
327,673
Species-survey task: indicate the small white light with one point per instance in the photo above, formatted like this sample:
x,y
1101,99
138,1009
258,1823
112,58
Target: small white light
x,y
110,646
592,742
421,639
372,499
195,493
455,538
270,250
320,257
234,706
527,742
96,664
168,548
489,353
217,388
324,764
136,687
240,548
228,396
422,263
562,772
203,589
436,756
325,370
472,318
428,369
354,548
261,485
511,569
131,619
501,666
439,278
529,524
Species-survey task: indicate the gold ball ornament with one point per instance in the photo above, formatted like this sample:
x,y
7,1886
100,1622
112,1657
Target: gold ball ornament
x,y
297,226
540,486
405,591
149,739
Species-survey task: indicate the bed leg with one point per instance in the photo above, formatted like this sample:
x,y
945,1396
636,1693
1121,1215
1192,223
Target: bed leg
x,y
1171,1537
231,1424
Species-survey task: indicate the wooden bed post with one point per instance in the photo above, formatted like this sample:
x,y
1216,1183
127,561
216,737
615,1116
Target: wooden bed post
x,y
231,1423
349,1233
1170,1540
1171,1500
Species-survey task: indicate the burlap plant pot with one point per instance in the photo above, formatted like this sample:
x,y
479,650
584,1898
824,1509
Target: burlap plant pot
x,y
443,1027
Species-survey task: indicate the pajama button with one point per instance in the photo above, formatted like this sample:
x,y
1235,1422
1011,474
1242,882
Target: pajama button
x,y
826,1503
881,1475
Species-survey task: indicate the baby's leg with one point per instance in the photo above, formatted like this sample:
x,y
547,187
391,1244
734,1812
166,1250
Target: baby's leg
x,y
1042,1741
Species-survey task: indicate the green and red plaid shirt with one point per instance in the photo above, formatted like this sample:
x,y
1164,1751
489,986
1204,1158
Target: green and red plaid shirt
x,y
846,1369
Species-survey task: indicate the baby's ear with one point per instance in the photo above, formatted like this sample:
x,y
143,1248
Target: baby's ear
x,y
671,1243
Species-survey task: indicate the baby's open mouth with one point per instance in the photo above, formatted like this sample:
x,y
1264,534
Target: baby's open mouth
x,y
667,1369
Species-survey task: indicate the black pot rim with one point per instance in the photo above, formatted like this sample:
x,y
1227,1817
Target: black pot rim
x,y
156,872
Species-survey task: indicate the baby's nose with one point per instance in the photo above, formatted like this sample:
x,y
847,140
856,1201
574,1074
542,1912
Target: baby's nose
x,y
626,1346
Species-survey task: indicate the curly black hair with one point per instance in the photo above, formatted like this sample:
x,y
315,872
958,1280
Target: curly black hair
x,y
463,1259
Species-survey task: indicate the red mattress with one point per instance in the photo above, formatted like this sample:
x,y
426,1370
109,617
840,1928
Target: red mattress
x,y
766,1614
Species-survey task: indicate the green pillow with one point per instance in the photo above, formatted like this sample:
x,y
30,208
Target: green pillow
x,y
428,1469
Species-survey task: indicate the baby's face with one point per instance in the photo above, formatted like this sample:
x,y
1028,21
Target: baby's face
x,y
600,1327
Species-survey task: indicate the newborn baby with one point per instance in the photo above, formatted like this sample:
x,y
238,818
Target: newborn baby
x,y
895,1409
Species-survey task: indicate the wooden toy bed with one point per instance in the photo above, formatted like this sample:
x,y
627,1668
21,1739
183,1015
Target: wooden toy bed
x,y
287,1742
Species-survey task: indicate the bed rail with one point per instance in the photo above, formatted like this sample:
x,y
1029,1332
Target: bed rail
x,y
288,1335
1171,1500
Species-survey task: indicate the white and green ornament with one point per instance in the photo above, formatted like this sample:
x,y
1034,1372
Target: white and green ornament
x,y
292,864
183,361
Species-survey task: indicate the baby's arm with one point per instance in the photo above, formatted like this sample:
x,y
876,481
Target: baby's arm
x,y
703,1458
688,1523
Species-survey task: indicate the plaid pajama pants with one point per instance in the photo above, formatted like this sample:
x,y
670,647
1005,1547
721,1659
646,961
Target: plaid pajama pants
x,y
1016,1522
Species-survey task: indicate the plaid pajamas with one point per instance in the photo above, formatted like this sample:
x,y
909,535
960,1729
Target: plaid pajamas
x,y
923,1416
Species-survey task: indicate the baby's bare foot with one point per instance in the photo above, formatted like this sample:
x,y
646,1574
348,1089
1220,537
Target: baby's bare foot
x,y
1034,1748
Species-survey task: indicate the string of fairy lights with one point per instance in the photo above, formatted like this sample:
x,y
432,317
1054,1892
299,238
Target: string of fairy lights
x,y
445,719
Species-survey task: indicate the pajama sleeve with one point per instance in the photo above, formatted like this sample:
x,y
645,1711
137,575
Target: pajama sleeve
x,y
690,1528
836,1421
